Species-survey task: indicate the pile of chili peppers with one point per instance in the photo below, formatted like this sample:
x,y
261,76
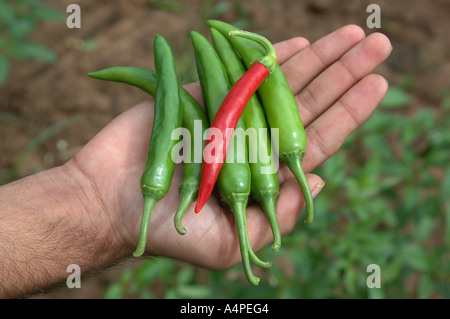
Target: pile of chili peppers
x,y
231,70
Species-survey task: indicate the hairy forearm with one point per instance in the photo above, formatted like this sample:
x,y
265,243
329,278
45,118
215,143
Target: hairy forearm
x,y
48,221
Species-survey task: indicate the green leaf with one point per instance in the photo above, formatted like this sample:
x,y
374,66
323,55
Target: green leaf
x,y
7,15
382,122
21,28
32,51
145,294
376,293
220,8
170,6
170,293
445,103
185,276
424,227
336,167
396,97
443,289
152,269
193,291
89,45
425,118
48,14
350,280
414,256
5,66
114,291
446,201
426,287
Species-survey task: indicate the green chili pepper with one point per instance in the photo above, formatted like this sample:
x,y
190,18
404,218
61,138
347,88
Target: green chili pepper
x,y
234,179
192,112
159,168
264,180
281,111
138,77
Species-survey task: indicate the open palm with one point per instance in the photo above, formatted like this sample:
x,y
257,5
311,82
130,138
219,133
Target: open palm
x,y
336,93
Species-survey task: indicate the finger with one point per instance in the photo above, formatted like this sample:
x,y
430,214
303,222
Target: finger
x,y
310,62
359,61
289,205
195,90
326,134
288,48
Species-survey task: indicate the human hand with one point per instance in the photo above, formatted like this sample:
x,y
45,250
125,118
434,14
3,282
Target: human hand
x,y
335,92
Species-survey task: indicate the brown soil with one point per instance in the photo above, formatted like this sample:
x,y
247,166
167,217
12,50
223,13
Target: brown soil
x,y
40,95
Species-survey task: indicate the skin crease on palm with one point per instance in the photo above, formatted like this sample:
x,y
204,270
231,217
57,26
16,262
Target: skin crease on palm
x,y
336,93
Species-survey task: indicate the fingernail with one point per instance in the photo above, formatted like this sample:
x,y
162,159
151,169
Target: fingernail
x,y
317,189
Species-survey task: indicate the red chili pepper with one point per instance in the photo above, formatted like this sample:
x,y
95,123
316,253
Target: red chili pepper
x,y
230,112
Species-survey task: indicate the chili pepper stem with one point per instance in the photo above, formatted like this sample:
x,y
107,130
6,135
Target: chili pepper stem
x,y
267,201
149,203
253,257
238,203
188,193
294,161
270,59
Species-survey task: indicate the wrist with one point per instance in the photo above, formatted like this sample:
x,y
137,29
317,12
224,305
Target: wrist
x,y
49,221
93,213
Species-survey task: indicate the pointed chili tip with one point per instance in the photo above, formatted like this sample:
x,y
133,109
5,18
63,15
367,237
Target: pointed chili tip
x,y
198,207
138,253
179,227
201,199
276,247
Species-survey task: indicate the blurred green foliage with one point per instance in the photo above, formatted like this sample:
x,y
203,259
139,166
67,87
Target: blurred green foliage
x,y
386,202
18,20
40,136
